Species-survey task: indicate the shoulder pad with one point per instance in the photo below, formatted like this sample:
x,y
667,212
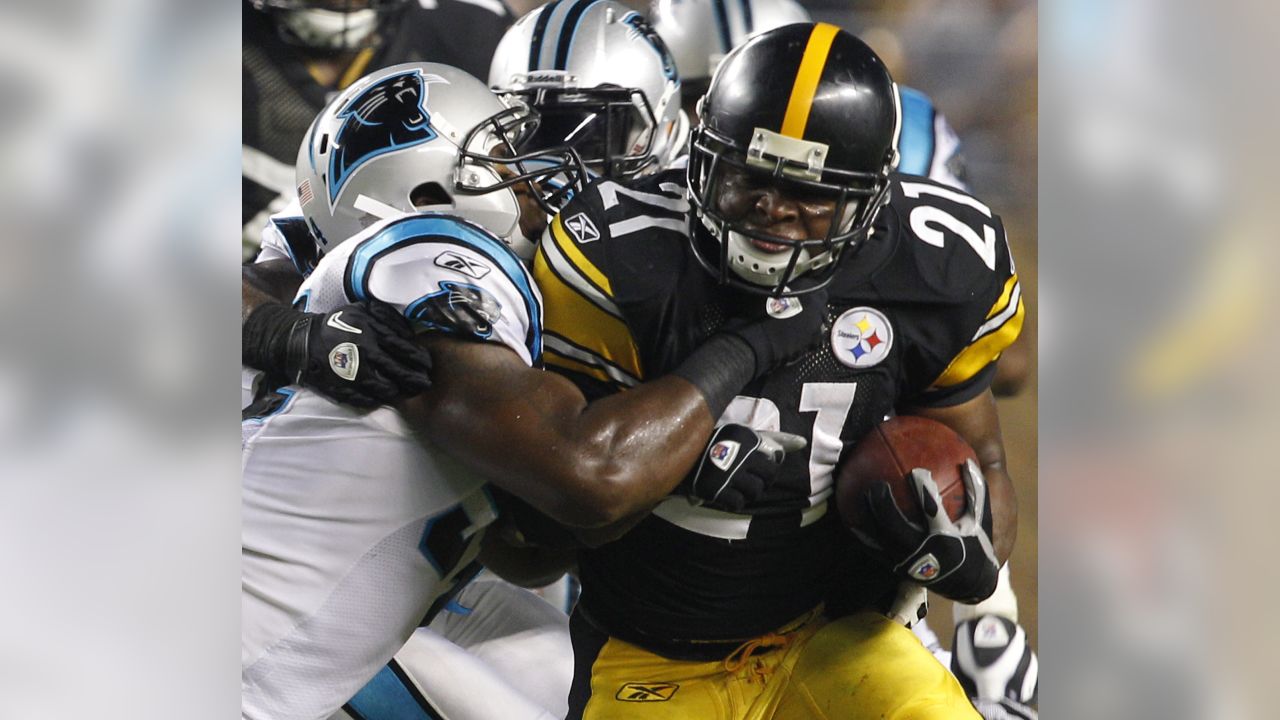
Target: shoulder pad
x,y
950,230
954,247
448,275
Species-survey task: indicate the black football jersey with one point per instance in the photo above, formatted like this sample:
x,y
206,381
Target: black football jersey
x,y
915,318
280,98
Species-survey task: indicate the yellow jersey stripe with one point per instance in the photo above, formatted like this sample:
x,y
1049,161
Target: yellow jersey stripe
x,y
978,355
811,66
567,313
571,275
565,244
565,348
1004,296
551,357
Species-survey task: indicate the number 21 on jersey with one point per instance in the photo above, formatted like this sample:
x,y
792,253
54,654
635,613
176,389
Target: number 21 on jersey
x,y
923,218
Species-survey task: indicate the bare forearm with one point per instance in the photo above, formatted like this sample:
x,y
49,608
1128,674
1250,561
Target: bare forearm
x,y
643,442
1004,510
532,433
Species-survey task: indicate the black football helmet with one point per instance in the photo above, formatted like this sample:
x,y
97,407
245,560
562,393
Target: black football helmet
x,y
330,26
807,108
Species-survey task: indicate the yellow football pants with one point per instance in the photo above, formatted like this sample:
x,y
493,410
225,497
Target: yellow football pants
x,y
861,667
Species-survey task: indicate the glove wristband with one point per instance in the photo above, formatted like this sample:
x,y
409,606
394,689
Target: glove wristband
x,y
295,357
719,369
264,338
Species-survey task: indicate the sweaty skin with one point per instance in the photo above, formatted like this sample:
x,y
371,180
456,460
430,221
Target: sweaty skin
x,y
533,433
768,209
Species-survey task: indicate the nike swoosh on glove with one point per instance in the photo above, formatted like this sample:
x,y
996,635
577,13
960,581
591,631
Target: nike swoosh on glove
x,y
361,354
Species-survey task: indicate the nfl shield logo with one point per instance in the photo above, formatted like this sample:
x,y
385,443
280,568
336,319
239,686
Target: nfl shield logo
x,y
925,569
344,360
723,453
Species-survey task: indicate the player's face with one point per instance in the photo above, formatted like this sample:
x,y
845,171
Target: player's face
x,y
763,205
533,220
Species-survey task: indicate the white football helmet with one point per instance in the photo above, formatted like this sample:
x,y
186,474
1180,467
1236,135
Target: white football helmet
x,y
700,33
602,80
417,137
331,25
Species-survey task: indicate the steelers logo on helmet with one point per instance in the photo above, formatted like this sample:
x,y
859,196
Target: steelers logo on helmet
x,y
861,337
790,163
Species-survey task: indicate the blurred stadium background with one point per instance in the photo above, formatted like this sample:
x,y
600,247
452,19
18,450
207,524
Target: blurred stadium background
x,y
119,186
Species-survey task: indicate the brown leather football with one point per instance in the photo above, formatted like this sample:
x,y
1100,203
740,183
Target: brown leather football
x,y
888,453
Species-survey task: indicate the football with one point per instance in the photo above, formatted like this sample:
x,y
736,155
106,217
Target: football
x,y
888,453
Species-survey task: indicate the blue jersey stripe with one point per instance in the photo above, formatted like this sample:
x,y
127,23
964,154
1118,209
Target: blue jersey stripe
x,y
388,697
916,145
422,227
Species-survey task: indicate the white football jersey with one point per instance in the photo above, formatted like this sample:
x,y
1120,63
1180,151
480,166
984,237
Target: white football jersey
x,y
353,526
497,652
275,245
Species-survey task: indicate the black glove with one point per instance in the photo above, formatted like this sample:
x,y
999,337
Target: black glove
x,y
952,558
787,328
361,354
739,464
997,668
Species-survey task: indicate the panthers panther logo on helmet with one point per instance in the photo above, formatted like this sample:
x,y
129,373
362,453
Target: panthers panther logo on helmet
x,y
389,115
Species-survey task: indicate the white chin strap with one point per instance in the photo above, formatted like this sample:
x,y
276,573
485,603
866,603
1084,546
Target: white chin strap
x,y
760,267
330,29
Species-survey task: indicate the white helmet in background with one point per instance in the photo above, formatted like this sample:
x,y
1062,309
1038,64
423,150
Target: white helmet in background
x,y
700,33
602,80
418,137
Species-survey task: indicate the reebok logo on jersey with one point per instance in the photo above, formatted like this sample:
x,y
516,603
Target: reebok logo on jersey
x,y
646,692
345,360
582,229
723,453
861,337
335,321
455,262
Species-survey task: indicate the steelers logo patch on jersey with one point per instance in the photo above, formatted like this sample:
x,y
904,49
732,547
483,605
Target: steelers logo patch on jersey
x,y
861,337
